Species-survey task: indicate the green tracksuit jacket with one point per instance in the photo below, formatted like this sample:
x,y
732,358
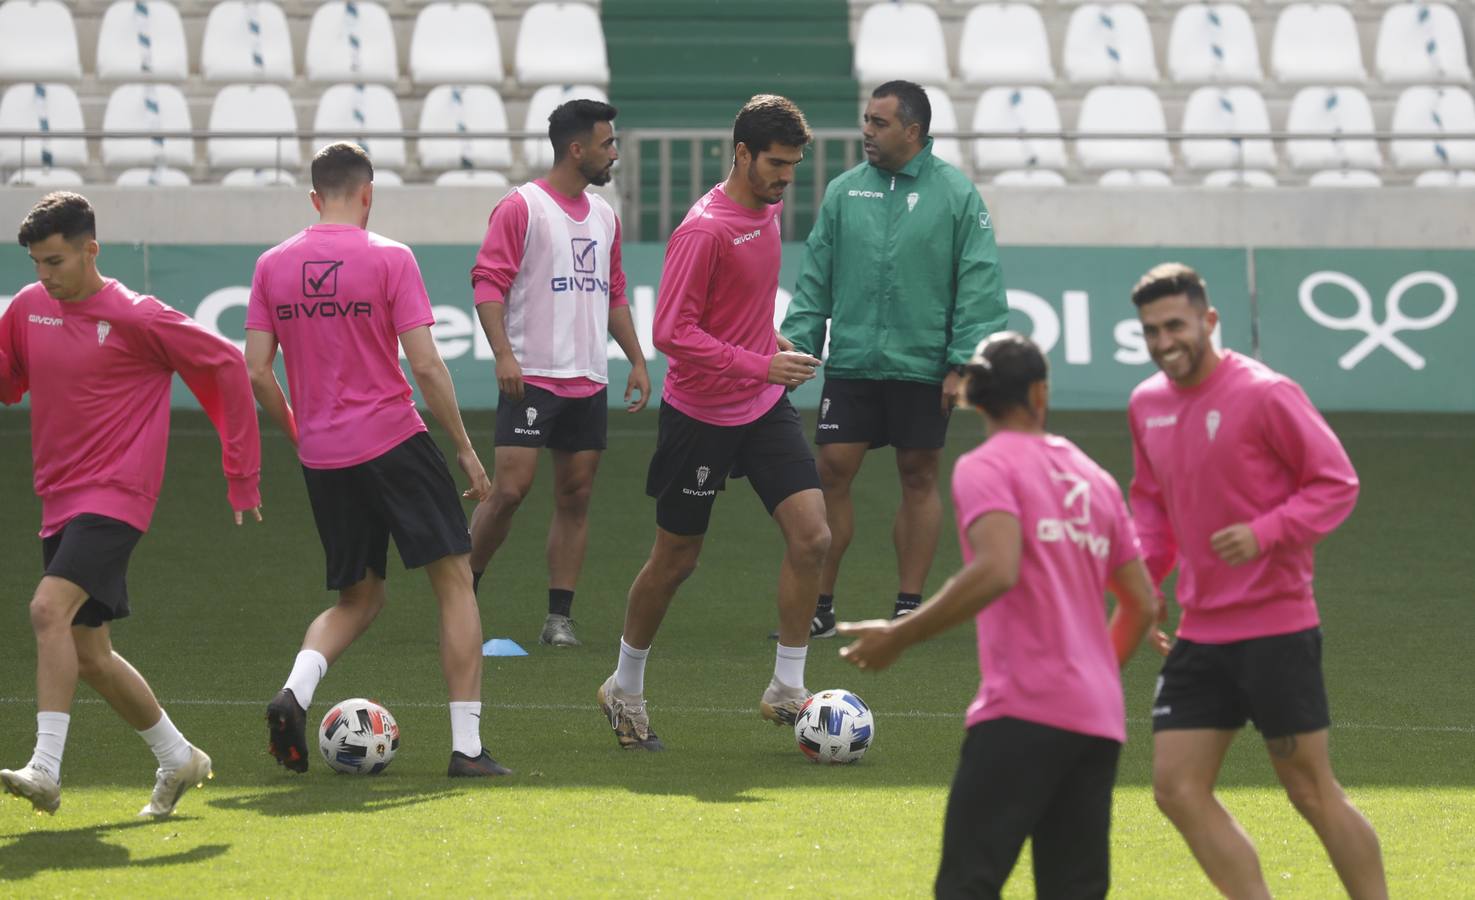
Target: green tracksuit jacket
x,y
904,268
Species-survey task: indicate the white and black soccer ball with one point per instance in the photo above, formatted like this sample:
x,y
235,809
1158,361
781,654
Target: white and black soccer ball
x,y
358,737
834,727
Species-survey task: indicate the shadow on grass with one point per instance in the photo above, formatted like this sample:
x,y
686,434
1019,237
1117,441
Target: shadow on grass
x,y
333,795
82,849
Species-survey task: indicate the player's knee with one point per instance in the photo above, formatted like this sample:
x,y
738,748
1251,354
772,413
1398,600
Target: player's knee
x,y
1311,799
834,479
918,479
49,614
574,498
808,547
507,497
1177,797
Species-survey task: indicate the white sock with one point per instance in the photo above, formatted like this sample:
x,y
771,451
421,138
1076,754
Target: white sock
x,y
788,665
51,740
307,671
169,746
466,727
630,676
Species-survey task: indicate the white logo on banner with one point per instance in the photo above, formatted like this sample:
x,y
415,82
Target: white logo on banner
x,y
1384,334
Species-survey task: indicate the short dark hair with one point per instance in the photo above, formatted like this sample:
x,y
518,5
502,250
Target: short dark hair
x,y
59,212
340,168
573,120
912,105
1168,280
769,119
1001,372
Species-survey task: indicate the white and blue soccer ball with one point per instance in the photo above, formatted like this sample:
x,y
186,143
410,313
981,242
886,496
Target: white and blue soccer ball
x,y
834,727
358,737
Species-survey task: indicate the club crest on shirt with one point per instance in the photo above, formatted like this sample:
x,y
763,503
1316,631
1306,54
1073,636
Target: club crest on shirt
x,y
532,415
912,199
702,473
1211,422
824,407
103,329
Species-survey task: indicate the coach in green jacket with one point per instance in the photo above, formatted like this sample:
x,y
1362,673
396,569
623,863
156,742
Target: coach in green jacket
x,y
902,264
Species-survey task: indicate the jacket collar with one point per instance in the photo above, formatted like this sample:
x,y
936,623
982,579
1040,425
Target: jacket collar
x,y
913,168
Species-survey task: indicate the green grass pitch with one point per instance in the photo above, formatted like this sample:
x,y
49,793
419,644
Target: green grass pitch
x,y
732,809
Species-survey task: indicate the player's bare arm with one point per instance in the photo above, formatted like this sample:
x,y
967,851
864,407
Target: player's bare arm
x,y
434,381
622,329
509,371
1138,608
261,354
791,368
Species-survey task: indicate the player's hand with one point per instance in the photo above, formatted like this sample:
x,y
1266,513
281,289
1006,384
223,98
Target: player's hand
x,y
241,514
876,645
637,383
481,485
783,343
791,369
952,389
1236,545
509,376
1160,640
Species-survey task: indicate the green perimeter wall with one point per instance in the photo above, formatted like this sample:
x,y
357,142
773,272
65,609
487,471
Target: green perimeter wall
x,y
1409,311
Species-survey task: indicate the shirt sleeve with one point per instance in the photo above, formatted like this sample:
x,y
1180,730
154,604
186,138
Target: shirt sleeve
x,y
980,304
1159,547
215,372
258,308
1327,484
812,303
617,296
500,256
979,488
13,379
686,284
1125,545
409,303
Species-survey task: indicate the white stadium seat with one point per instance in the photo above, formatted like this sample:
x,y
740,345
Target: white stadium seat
x,y
455,43
256,178
1235,178
246,40
900,40
1331,111
147,107
944,120
561,43
152,176
387,178
1108,43
1227,110
1429,110
38,42
1005,43
1445,178
248,108
350,40
47,178
538,152
142,40
1149,178
471,178
41,107
1122,109
1345,178
464,108
1213,44
1316,42
1421,42
347,111
1029,178
1024,110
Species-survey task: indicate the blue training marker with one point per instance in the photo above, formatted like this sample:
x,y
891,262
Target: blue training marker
x,y
502,647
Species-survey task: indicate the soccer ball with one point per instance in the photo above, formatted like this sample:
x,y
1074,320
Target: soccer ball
x,y
358,737
834,727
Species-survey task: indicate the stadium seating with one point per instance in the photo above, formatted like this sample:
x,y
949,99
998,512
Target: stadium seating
x,y
1029,178
1434,109
346,111
385,178
464,108
38,42
1331,111
247,108
1316,43
900,40
1213,44
1005,44
1421,42
1445,178
1345,178
1235,178
472,178
1025,110
537,152
142,40
351,40
246,40
147,107
44,177
1108,43
152,177
455,43
561,43
1135,178
41,107
258,178
1122,109
944,120
1227,110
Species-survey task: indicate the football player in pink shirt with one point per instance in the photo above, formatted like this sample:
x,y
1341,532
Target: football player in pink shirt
x,y
550,292
1045,534
724,413
1237,476
341,301
98,361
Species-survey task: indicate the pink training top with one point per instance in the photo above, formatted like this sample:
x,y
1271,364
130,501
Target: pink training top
x,y
1044,651
500,259
99,372
1246,445
337,298
714,311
